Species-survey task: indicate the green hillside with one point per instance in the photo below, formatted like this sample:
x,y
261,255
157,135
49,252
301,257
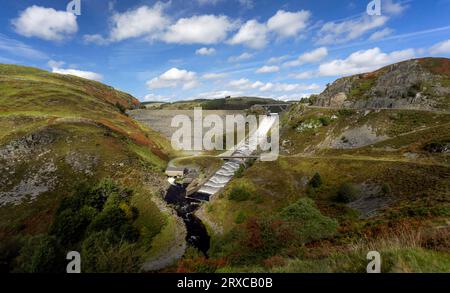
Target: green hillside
x,y
66,137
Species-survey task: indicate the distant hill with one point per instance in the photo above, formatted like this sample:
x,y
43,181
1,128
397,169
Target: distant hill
x,y
235,103
413,84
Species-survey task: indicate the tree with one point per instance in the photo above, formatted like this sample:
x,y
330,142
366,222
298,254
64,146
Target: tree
x,y
347,193
316,180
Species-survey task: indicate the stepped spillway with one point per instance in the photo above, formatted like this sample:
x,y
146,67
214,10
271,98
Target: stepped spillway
x,y
222,176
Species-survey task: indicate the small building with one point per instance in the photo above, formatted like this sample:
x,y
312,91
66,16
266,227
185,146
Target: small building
x,y
175,171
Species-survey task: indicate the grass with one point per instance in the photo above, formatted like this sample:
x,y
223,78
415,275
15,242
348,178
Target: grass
x,y
85,121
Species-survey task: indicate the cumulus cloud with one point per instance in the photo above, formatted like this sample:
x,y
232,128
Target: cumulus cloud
x,y
242,57
252,34
341,32
268,69
56,68
174,77
441,48
205,51
288,24
246,84
142,21
279,59
363,61
309,57
203,29
45,23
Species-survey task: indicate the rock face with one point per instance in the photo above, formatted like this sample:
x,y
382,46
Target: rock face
x,y
414,84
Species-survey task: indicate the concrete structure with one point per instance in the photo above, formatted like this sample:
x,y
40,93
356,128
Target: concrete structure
x,y
175,172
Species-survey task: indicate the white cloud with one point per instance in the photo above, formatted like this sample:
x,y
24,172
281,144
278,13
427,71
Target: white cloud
x,y
203,29
304,75
56,68
441,48
288,24
174,77
157,98
143,21
217,94
392,8
252,34
381,34
246,84
95,39
277,59
242,57
363,61
309,57
205,51
341,32
45,23
268,69
210,76
17,48
247,3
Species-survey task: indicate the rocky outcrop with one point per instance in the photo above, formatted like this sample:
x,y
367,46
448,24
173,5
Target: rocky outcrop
x,y
414,84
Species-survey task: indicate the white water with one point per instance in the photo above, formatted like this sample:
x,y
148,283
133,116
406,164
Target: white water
x,y
242,149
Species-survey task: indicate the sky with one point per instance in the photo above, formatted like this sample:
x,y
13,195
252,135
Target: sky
x,y
177,50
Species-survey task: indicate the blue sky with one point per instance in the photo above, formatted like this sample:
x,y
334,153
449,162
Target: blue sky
x,y
175,50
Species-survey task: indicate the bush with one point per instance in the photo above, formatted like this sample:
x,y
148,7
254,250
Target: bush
x,y
316,181
325,120
69,226
40,254
239,172
386,189
347,193
239,194
307,222
112,218
240,218
104,252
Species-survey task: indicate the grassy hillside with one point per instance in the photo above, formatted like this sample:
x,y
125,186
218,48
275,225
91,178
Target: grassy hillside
x,y
60,132
382,175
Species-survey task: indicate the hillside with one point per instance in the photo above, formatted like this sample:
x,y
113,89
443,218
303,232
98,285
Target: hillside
x,y
234,103
63,138
347,181
413,84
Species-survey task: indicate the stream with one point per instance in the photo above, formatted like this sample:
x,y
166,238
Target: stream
x,y
197,235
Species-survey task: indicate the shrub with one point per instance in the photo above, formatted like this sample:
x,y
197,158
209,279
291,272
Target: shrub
x,y
239,172
386,189
104,252
112,218
347,193
239,194
240,218
307,222
316,181
325,120
69,226
40,254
